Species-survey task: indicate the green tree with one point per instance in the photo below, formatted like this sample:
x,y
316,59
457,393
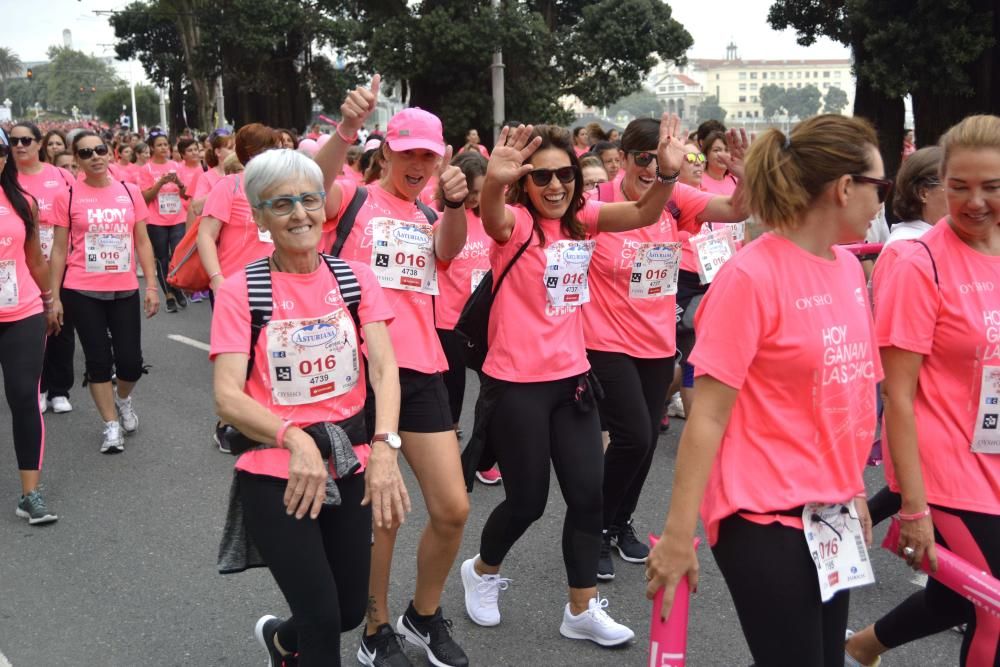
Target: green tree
x,y
72,78
709,109
10,64
641,104
113,103
834,101
772,98
802,102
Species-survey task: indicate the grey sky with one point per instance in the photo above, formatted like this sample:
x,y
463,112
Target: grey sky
x,y
712,23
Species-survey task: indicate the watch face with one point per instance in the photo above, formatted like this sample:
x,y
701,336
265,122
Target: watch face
x,y
394,441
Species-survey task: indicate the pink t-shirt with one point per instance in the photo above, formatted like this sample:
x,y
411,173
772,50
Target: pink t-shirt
x,y
794,334
120,173
166,199
205,183
103,218
529,339
455,277
956,326
189,177
45,186
413,336
296,296
19,295
615,322
725,187
240,240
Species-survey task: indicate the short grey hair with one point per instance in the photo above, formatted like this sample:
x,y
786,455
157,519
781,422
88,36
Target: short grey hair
x,y
276,166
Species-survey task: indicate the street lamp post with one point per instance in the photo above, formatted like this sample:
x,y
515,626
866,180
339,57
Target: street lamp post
x,y
498,93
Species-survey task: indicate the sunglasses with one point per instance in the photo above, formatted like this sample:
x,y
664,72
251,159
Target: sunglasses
x,y
157,133
24,141
882,185
642,158
542,177
311,201
87,153
695,158
221,132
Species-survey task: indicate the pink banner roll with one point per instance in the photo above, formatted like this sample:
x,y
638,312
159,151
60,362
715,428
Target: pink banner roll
x,y
668,639
328,120
978,587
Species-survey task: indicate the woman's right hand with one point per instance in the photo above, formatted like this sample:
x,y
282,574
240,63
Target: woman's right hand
x,y
216,282
919,536
359,105
514,147
670,560
306,489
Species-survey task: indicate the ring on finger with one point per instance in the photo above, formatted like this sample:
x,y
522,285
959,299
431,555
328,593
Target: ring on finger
x,y
909,551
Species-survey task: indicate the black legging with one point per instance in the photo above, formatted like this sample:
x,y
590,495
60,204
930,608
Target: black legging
x,y
772,579
321,566
535,423
635,391
57,369
454,377
94,320
165,240
22,348
976,538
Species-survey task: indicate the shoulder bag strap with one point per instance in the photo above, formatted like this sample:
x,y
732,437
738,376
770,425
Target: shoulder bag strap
x,y
346,222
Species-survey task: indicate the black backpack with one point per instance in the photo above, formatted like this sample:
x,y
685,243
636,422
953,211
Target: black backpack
x,y
474,322
262,300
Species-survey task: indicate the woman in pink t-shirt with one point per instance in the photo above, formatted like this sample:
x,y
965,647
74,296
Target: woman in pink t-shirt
x,y
629,329
394,235
537,401
189,171
164,193
284,392
785,401
938,325
458,278
25,317
45,182
100,229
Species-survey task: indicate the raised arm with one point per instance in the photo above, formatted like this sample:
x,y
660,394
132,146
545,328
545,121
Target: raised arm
x,y
449,238
360,104
505,167
735,207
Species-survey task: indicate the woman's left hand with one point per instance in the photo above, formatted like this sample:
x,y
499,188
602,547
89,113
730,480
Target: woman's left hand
x,y
737,144
865,517
53,320
152,303
453,182
670,150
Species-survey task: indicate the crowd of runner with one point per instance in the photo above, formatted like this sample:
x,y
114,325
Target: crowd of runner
x,y
597,283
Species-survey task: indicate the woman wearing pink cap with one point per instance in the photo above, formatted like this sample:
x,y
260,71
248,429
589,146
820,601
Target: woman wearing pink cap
x,y
537,408
938,326
402,241
786,366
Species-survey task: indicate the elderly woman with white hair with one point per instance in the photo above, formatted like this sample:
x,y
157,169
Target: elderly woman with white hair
x,y
289,378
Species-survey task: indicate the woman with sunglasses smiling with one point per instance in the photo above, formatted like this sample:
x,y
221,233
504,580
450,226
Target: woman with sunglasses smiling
x,y
26,315
537,399
316,546
45,182
164,193
937,319
775,444
100,228
629,328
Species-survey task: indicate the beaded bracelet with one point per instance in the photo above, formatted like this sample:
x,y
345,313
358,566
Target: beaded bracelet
x,y
914,517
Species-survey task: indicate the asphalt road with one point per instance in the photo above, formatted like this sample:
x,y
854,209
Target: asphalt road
x,y
127,576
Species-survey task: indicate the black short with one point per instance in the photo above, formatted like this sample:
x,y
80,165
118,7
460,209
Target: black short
x,y
423,403
689,294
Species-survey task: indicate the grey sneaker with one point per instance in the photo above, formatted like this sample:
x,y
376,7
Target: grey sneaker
x,y
130,420
32,507
114,441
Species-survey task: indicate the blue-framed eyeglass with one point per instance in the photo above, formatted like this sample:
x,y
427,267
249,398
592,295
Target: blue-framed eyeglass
x,y
285,204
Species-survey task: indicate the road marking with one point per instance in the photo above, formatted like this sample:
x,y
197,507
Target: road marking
x,y
180,339
4,662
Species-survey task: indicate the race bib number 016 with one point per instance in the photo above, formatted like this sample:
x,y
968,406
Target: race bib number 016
x,y
108,252
403,255
566,265
46,235
986,438
713,249
311,360
836,541
654,271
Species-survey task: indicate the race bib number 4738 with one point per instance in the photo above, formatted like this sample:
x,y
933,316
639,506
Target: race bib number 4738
x,y
403,255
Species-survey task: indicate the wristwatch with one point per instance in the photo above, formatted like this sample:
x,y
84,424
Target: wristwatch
x,y
391,439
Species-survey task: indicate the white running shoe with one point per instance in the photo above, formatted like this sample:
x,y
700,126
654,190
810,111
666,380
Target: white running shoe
x,y
595,625
61,404
482,594
114,441
675,408
43,403
130,420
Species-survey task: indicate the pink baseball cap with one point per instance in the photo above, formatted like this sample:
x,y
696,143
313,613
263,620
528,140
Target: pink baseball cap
x,y
415,128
